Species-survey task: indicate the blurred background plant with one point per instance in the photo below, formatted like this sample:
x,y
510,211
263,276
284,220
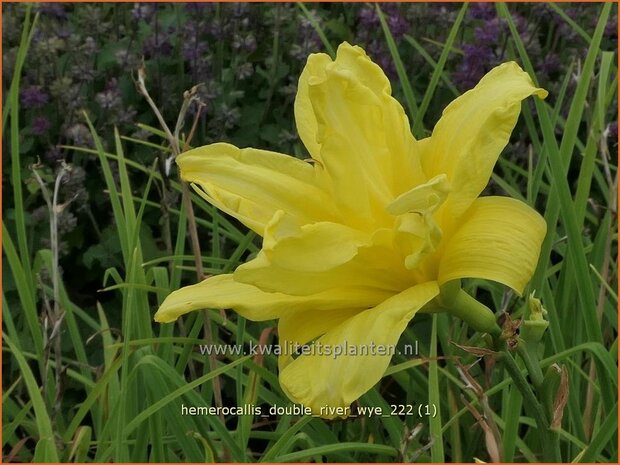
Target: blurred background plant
x,y
83,59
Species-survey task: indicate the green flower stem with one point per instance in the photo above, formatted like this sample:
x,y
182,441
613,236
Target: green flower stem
x,y
468,309
532,331
528,354
549,440
454,300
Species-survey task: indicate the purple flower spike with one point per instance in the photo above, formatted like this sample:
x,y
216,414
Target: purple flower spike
x,y
40,125
610,29
34,97
551,64
612,129
55,10
489,33
143,11
484,11
53,154
368,18
398,25
477,58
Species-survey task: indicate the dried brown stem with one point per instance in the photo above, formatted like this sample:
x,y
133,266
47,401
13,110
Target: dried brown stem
x,y
173,139
55,315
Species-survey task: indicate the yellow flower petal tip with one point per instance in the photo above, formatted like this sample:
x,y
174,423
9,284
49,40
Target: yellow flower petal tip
x,y
359,240
513,68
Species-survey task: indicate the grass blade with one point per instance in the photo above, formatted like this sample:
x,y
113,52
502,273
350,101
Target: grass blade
x,y
437,451
400,69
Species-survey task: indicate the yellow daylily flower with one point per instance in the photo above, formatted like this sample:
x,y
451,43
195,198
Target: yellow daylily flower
x,y
368,234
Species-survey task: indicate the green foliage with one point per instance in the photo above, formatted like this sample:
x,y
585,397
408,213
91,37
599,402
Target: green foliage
x,y
109,384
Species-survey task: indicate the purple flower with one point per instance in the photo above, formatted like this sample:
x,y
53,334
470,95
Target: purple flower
x,y
55,10
80,135
477,55
219,29
611,31
34,97
489,33
228,116
398,25
239,10
484,11
158,45
305,22
245,71
551,64
477,58
64,32
193,49
89,46
108,99
40,125
124,115
520,23
54,154
612,131
194,8
247,43
368,18
143,11
378,52
572,12
127,59
67,222
308,40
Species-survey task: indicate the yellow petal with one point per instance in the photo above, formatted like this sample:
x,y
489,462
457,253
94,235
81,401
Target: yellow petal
x,y
305,120
416,236
252,184
499,240
305,260
416,232
360,135
323,256
223,292
346,377
422,197
472,132
360,272
300,327
310,247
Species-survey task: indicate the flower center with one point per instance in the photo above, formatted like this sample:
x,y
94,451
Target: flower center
x,y
416,233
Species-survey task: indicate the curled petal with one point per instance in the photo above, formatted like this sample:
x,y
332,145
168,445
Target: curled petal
x,y
223,292
307,126
361,272
499,240
416,232
472,132
252,184
318,257
299,327
346,377
357,132
422,198
312,247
